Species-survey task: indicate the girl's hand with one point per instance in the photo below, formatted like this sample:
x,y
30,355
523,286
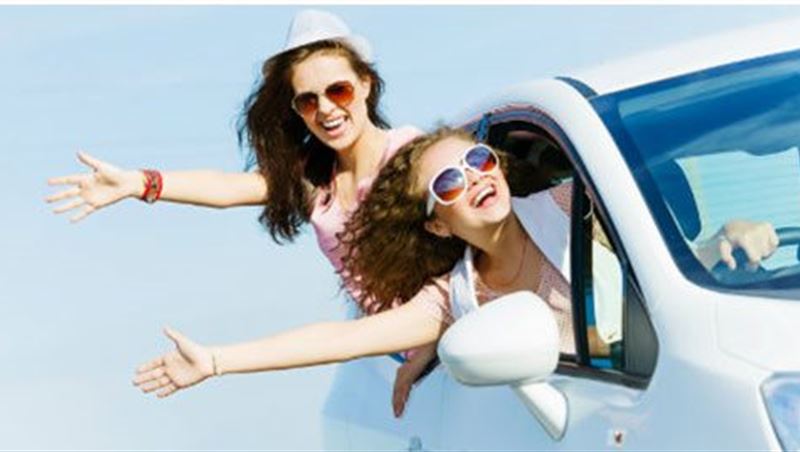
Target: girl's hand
x,y
407,375
188,365
104,185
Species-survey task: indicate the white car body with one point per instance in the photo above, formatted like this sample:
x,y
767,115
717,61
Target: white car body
x,y
715,348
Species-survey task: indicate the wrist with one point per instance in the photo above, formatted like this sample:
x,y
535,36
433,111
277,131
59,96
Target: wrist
x,y
153,184
709,252
136,181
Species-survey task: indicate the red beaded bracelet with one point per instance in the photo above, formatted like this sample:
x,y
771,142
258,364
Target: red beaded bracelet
x,y
153,184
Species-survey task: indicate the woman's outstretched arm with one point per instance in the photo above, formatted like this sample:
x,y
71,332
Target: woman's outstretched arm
x,y
401,328
105,184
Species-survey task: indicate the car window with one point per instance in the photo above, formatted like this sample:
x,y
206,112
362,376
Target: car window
x,y
714,147
604,302
608,293
620,341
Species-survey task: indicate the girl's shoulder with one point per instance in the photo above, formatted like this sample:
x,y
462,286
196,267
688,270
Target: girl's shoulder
x,y
399,136
407,130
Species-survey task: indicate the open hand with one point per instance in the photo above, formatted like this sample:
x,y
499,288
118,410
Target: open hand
x,y
189,364
103,185
408,374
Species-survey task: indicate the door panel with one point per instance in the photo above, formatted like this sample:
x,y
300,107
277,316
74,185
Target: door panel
x,y
493,417
358,413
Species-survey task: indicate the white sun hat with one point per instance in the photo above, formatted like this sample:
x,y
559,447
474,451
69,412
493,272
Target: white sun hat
x,y
311,25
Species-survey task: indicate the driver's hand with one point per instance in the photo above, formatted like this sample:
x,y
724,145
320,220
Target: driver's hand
x,y
757,239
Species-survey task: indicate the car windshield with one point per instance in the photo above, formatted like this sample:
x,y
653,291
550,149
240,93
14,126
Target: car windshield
x,y
713,147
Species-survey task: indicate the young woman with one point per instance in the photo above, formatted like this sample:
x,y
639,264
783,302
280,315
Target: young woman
x,y
437,236
315,134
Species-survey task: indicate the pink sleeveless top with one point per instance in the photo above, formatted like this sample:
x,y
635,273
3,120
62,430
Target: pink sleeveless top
x,y
328,216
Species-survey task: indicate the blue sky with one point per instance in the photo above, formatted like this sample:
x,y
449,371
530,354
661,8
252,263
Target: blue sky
x,y
82,305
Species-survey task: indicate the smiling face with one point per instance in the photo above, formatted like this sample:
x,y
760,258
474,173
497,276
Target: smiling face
x,y
337,126
486,202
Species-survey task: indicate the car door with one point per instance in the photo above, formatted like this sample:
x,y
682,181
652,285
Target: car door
x,y
605,381
358,412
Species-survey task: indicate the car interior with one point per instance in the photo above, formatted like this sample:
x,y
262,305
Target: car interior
x,y
539,164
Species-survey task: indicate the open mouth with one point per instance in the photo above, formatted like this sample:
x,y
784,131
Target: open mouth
x,y
485,197
332,126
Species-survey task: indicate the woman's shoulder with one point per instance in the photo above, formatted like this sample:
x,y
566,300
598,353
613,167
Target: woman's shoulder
x,y
398,137
403,134
435,297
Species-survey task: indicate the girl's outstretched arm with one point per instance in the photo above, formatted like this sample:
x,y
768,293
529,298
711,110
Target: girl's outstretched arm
x,y
105,184
401,328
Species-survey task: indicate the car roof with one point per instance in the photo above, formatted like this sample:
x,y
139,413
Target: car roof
x,y
691,56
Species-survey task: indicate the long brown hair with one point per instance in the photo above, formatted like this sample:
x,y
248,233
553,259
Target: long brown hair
x,y
291,159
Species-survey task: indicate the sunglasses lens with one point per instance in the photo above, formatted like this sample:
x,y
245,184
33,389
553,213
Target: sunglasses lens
x,y
449,184
305,103
481,158
340,93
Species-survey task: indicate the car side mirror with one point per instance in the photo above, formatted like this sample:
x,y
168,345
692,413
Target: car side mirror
x,y
513,340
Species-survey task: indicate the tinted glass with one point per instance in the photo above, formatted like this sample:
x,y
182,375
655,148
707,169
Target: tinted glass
x,y
481,159
713,147
449,184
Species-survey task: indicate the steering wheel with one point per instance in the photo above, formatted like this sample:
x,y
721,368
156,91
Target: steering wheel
x,y
788,236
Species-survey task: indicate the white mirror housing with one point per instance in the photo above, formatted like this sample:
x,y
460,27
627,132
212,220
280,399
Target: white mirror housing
x,y
513,339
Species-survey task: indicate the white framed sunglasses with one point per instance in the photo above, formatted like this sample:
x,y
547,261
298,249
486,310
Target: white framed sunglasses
x,y
450,183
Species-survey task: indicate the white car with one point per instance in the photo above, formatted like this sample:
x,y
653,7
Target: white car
x,y
668,146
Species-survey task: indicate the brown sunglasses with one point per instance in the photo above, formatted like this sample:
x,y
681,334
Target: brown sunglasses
x,y
340,93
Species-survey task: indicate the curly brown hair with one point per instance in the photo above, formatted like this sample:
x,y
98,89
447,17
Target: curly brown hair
x,y
390,255
291,159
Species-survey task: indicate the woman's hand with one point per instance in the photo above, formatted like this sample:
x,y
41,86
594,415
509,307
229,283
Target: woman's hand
x,y
104,185
188,365
407,375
